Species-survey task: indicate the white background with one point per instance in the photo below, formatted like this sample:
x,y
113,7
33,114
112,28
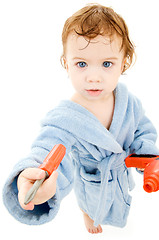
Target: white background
x,y
32,82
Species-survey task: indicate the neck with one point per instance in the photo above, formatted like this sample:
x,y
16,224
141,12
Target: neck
x,y
92,104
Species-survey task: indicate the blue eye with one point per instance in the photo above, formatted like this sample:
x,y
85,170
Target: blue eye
x,y
107,64
81,64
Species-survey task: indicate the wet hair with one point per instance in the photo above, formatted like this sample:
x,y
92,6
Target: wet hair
x,y
95,19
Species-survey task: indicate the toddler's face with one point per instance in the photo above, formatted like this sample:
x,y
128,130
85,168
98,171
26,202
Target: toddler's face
x,y
94,68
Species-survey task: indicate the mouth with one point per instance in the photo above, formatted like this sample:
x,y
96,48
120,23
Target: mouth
x,y
94,92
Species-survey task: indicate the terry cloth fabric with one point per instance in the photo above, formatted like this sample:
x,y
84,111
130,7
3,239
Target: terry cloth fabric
x,y
94,162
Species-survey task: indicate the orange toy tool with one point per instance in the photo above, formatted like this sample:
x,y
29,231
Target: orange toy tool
x,y
151,172
50,164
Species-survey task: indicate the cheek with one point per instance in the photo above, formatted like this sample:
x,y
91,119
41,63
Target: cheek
x,y
72,75
117,71
112,75
74,78
112,78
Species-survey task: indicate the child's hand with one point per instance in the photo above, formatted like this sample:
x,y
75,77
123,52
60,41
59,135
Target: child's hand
x,y
141,169
46,191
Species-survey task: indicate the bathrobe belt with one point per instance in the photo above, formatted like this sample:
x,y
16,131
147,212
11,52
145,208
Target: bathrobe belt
x,y
114,162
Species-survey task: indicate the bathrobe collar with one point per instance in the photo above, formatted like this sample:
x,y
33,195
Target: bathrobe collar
x,y
74,117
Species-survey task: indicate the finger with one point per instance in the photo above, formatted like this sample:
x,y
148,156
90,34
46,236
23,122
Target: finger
x,y
141,169
50,182
33,173
21,196
29,206
52,179
53,176
47,189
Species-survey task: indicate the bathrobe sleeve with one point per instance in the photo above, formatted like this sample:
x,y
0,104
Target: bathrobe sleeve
x,y
145,134
49,136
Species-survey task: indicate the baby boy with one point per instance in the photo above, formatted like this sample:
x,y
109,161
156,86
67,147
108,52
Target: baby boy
x,y
100,126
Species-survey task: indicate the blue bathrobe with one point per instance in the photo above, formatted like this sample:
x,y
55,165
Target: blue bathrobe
x,y
94,161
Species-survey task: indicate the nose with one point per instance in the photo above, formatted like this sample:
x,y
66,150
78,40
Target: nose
x,y
94,79
93,76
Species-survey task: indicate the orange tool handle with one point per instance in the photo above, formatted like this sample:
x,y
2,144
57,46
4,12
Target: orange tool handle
x,y
151,172
140,161
53,159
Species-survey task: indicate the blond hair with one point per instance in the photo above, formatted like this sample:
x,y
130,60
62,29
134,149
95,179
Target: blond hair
x,y
95,19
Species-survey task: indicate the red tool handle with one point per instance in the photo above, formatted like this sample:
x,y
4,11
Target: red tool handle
x,y
151,173
139,161
53,159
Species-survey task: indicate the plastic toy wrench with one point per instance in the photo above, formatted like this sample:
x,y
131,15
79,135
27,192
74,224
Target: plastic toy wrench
x,y
50,164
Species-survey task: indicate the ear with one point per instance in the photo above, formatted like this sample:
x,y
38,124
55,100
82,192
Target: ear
x,y
123,64
65,64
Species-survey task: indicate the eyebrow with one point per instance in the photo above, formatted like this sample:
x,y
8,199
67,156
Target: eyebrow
x,y
75,58
111,58
104,59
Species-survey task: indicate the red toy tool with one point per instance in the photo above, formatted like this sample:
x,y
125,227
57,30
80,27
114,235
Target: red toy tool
x,y
53,159
50,164
151,172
